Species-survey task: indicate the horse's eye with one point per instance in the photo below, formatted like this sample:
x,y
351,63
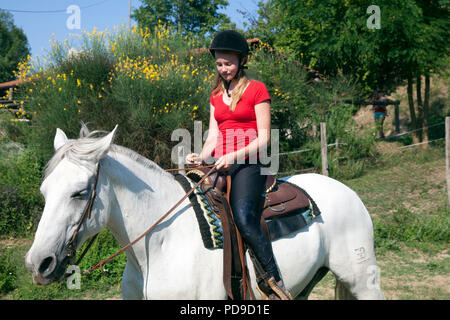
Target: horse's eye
x,y
80,194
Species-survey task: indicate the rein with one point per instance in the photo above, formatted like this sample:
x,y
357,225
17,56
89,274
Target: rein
x,y
71,248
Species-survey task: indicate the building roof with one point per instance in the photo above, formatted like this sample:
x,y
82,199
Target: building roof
x,y
10,84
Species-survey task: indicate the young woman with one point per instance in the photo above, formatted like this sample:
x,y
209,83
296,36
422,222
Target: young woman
x,y
239,126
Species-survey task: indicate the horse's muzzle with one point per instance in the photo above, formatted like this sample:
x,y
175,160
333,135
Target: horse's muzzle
x,y
46,270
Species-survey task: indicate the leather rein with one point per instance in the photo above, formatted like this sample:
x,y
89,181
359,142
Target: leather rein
x,y
71,246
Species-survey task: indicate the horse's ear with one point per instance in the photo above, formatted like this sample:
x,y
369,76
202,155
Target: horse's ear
x,y
60,139
105,143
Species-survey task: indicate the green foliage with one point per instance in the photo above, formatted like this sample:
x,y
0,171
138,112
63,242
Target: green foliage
x,y
332,36
20,200
151,83
15,280
8,273
13,46
298,104
190,16
104,246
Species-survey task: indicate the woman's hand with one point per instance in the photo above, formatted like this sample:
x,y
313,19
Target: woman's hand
x,y
193,158
225,161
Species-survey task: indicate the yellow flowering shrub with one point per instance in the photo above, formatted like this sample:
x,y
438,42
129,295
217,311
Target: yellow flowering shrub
x,y
147,81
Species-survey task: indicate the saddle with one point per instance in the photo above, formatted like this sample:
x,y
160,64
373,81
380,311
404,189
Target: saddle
x,y
281,199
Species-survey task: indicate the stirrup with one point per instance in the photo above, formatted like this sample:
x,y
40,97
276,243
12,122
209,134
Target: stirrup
x,y
277,292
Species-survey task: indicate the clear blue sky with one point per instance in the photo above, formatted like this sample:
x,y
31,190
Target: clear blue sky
x,y
102,14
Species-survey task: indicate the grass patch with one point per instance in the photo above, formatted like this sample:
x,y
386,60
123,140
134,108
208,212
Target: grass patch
x,y
16,282
406,227
405,193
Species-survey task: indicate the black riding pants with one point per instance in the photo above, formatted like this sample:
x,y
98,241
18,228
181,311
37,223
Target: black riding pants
x,y
246,200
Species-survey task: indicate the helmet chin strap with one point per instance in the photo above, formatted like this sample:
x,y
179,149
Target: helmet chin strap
x,y
227,87
228,83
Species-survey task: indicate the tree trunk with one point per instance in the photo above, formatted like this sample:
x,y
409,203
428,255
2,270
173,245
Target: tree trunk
x,y
426,108
419,106
412,111
419,90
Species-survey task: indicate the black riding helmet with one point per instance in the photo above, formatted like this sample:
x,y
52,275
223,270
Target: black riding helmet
x,y
233,41
230,40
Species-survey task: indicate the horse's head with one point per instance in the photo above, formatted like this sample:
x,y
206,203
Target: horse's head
x,y
67,187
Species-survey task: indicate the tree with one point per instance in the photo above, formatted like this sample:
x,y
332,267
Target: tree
x,y
188,16
435,39
13,46
333,37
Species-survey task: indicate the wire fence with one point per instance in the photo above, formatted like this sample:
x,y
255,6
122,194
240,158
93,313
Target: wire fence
x,y
336,144
420,129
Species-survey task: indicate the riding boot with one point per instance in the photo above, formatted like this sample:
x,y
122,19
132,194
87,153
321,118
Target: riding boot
x,y
247,215
270,289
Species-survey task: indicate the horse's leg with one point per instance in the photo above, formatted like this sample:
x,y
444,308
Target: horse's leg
x,y
341,292
347,236
315,280
357,273
364,285
132,283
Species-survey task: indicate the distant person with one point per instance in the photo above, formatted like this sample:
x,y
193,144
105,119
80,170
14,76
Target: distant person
x,y
380,113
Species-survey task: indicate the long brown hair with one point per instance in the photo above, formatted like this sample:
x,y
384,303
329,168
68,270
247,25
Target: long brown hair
x,y
238,91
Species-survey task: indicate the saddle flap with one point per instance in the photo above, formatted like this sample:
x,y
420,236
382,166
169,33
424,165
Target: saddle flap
x,y
285,198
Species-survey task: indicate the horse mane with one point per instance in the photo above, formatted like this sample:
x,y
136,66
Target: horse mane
x,y
82,152
146,163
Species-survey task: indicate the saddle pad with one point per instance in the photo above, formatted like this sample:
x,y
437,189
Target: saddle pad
x,y
211,226
209,223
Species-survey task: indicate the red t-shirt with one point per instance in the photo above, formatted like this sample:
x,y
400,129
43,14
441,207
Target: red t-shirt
x,y
379,108
237,129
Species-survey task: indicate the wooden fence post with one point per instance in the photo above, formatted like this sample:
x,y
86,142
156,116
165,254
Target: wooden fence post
x,y
323,141
397,117
447,154
337,153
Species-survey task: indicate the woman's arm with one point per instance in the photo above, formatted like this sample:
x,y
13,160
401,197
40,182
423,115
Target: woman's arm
x,y
262,111
210,142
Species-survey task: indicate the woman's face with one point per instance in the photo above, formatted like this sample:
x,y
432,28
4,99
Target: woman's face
x,y
227,64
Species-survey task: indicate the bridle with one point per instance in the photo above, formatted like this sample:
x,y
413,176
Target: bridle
x,y
71,246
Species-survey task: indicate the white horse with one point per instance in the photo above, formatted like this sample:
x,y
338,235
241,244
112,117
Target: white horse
x,y
171,262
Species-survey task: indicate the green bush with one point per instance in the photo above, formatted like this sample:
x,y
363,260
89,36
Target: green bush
x,y
15,280
149,83
20,200
104,246
153,82
298,103
8,273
